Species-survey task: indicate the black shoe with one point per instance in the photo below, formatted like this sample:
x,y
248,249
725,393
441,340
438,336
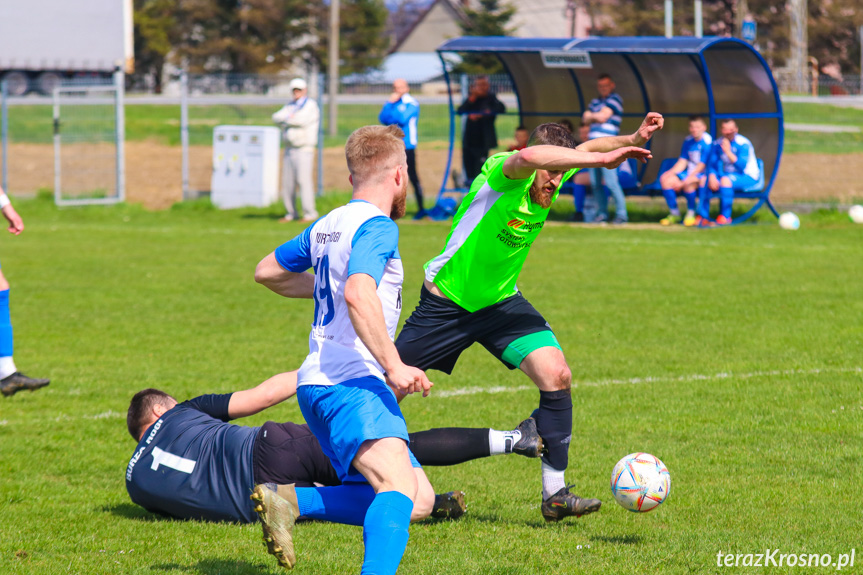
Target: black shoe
x,y
578,217
530,444
564,504
17,381
620,221
449,505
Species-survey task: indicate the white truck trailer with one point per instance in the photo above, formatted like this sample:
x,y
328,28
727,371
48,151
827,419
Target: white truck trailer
x,y
44,42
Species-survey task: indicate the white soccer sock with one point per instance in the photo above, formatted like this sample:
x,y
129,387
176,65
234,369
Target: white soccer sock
x,y
7,367
500,442
552,480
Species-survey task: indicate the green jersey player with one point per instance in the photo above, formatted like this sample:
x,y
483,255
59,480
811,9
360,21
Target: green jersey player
x,y
470,293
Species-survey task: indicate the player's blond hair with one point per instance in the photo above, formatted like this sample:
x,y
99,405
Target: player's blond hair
x,y
372,149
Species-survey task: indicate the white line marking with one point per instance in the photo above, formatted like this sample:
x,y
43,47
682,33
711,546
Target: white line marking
x,y
639,380
475,390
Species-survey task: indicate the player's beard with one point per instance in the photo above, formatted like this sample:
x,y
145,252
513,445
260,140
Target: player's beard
x,y
538,196
398,209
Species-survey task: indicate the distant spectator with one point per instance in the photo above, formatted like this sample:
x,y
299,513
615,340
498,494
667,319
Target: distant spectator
x,y
604,115
732,167
403,110
686,174
481,107
300,121
521,137
578,184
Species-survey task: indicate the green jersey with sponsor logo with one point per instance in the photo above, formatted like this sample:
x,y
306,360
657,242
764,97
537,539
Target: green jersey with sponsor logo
x,y
490,237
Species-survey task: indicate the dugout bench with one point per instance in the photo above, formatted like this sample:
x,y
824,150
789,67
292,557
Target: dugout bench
x,y
716,78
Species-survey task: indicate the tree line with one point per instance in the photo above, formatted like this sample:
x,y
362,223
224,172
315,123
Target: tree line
x,y
268,36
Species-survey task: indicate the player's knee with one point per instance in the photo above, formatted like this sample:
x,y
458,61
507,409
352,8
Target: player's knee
x,y
725,182
667,181
559,376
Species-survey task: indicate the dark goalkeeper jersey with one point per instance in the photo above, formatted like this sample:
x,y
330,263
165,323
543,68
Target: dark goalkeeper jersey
x,y
192,464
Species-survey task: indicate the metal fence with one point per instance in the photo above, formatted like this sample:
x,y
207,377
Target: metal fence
x,y
169,136
790,82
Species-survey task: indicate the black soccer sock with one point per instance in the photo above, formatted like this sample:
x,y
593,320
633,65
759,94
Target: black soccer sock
x,y
554,425
449,445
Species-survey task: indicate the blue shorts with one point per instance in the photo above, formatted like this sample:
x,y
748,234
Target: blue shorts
x,y
344,416
682,175
741,182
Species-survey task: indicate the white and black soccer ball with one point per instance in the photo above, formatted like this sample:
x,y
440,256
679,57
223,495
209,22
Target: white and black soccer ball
x,y
640,482
856,214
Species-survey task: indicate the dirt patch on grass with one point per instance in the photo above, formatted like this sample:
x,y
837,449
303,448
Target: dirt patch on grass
x,y
154,172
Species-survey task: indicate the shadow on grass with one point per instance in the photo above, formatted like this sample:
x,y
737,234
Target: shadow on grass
x,y
531,522
214,567
131,511
618,539
269,216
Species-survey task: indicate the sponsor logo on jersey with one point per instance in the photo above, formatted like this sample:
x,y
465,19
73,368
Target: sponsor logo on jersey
x,y
322,238
518,224
132,463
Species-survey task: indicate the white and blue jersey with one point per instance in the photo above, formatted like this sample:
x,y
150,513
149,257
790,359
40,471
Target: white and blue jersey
x,y
695,151
405,114
189,457
746,163
610,127
356,238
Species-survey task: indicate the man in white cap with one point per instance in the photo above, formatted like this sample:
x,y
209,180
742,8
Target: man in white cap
x,y
300,120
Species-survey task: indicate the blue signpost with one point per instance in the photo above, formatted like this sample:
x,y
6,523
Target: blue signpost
x,y
750,29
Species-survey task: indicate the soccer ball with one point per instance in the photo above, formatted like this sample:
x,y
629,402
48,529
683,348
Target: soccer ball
x,y
640,482
789,221
856,214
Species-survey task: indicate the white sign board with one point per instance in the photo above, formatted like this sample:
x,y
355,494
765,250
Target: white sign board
x,y
568,59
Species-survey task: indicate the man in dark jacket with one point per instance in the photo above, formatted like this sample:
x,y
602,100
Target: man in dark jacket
x,y
479,110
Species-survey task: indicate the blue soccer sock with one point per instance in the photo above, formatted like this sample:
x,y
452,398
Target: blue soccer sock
x,y
385,533
690,201
345,504
726,198
671,200
703,202
579,192
7,366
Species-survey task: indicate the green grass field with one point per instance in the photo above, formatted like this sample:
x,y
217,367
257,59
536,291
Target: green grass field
x,y
33,124
732,354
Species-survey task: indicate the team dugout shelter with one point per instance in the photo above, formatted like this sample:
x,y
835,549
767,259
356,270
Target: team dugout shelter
x,y
716,78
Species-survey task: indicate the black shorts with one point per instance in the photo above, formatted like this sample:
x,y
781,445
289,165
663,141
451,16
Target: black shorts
x,y
439,330
290,453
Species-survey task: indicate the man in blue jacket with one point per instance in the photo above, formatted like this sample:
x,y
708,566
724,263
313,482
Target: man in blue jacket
x,y
403,110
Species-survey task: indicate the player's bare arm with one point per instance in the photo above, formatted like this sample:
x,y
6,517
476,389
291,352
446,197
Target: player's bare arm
x,y
678,166
266,394
288,284
557,159
725,144
364,308
651,124
16,224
